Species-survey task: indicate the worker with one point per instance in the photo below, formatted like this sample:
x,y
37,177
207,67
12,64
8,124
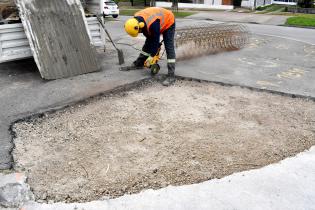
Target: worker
x,y
153,22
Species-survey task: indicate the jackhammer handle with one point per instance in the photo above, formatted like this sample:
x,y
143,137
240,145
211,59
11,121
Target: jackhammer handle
x,y
103,26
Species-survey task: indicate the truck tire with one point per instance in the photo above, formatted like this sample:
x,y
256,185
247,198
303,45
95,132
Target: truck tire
x,y
115,16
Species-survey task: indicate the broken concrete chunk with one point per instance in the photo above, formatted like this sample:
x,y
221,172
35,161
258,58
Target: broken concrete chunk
x,y
14,192
12,195
58,36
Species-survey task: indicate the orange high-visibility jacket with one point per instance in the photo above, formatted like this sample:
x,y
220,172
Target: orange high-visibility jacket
x,y
151,14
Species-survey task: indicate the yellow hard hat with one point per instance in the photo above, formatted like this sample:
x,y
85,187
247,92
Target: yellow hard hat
x,y
132,27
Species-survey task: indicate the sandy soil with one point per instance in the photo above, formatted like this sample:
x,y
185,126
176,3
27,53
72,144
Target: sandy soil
x,y
155,136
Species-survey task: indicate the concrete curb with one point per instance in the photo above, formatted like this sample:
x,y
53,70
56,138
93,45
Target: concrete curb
x,y
283,185
293,26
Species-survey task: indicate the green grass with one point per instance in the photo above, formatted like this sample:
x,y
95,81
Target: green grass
x,y
131,12
301,20
271,7
128,12
182,14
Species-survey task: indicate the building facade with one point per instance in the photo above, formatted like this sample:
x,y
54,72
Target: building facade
x,y
256,3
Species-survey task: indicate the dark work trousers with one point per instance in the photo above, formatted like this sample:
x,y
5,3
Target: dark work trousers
x,y
169,43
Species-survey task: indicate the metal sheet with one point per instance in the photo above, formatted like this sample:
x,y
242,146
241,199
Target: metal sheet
x,y
58,37
13,43
95,31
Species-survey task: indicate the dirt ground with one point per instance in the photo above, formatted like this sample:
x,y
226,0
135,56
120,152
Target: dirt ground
x,y
7,8
154,136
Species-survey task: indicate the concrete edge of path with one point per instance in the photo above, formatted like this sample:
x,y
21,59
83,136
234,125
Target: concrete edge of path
x,y
283,185
293,26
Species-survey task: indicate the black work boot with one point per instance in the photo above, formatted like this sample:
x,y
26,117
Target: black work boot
x,y
170,78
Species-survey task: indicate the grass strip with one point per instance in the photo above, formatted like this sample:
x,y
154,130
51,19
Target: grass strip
x,y
301,20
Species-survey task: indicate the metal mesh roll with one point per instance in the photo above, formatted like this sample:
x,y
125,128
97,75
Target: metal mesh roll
x,y
193,41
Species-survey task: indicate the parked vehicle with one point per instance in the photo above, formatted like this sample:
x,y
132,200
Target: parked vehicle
x,y
110,9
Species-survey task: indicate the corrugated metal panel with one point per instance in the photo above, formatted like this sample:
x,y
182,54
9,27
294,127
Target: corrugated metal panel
x,y
58,36
95,31
14,44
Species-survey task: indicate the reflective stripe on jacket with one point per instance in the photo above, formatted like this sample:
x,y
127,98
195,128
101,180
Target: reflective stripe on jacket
x,y
151,14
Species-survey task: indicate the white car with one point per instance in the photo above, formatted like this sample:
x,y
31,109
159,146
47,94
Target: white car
x,y
110,9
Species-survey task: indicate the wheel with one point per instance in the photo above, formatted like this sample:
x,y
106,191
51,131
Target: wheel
x,y
115,16
155,68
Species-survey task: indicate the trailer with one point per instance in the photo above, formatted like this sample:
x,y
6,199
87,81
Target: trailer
x,y
14,44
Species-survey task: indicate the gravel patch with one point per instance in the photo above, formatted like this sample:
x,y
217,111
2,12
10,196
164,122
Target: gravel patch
x,y
153,136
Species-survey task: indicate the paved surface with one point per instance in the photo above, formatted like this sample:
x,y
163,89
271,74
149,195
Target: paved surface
x,y
278,58
286,185
302,35
241,17
284,68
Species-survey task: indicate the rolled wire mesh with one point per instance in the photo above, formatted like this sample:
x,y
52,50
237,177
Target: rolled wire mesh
x,y
193,41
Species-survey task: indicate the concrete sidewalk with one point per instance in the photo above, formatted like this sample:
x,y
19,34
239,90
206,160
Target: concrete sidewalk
x,y
286,185
227,16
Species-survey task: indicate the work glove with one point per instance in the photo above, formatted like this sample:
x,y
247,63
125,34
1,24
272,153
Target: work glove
x,y
149,62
